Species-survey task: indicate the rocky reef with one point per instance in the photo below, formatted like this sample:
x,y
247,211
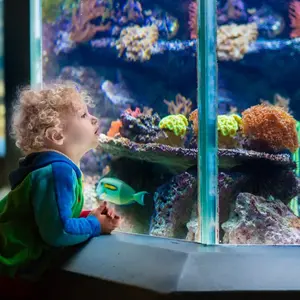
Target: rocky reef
x,y
257,220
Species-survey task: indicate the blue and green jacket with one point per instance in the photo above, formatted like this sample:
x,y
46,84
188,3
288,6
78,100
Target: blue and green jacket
x,y
42,210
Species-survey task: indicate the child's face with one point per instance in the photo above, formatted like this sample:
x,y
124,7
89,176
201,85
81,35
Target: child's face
x,y
82,131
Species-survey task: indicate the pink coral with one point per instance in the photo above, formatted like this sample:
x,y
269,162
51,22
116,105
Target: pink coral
x,y
193,19
294,13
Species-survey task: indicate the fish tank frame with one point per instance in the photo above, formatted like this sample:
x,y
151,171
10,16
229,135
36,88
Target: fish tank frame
x,y
209,180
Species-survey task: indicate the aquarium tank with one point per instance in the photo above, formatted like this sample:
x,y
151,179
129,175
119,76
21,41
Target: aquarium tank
x,y
148,71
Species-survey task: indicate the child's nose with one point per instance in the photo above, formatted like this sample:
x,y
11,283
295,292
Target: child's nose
x,y
94,121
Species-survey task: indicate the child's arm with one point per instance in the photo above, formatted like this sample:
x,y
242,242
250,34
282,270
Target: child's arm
x,y
53,195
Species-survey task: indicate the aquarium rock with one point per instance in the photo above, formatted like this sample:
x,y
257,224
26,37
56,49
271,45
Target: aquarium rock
x,y
256,220
142,128
173,206
175,158
230,158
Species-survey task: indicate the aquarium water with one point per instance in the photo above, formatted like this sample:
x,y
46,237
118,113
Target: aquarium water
x,y
138,60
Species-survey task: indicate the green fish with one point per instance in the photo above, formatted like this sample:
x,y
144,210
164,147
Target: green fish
x,y
118,192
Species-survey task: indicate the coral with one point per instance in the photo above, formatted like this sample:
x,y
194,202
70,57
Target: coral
x,y
228,127
114,128
139,127
175,123
233,40
173,206
133,10
52,9
256,220
83,29
294,14
137,42
181,106
194,119
280,101
270,127
174,129
193,19
233,10
133,113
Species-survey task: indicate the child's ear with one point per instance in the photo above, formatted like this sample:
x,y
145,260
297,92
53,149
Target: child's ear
x,y
55,136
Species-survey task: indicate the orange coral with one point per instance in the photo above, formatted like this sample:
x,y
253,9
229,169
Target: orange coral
x,y
193,19
294,13
82,28
194,118
114,128
272,126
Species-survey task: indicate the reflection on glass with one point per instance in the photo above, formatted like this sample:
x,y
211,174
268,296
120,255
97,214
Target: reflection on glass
x,y
2,107
258,129
137,59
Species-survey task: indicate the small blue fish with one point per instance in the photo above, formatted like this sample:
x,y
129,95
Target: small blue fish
x,y
118,192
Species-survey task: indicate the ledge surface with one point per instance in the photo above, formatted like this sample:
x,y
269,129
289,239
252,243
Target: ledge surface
x,y
169,266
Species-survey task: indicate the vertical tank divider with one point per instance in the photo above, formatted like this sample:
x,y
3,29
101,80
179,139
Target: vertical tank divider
x,y
207,114
36,60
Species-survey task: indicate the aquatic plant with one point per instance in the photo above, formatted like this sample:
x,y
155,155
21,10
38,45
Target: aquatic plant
x,y
82,27
233,40
137,42
52,9
270,127
181,105
294,14
114,128
228,127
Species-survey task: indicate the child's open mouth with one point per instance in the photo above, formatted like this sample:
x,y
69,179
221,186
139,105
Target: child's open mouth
x,y
97,131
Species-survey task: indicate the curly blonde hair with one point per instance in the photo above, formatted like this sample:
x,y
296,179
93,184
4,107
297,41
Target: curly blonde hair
x,y
38,109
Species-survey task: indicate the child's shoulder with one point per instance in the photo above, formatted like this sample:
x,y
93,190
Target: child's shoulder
x,y
43,165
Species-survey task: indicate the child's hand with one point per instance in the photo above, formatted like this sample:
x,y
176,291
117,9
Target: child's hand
x,y
105,210
108,224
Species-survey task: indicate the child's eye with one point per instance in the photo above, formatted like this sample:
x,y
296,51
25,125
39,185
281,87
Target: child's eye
x,y
84,115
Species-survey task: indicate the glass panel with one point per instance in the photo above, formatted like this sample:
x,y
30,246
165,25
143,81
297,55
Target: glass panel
x,y
137,59
258,129
2,107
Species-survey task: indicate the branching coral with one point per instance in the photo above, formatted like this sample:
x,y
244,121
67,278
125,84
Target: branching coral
x,y
137,42
82,28
294,14
271,127
193,19
181,105
233,40
280,101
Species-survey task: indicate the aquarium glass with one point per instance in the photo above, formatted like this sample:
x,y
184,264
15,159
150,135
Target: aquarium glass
x,y
258,51
137,59
2,106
